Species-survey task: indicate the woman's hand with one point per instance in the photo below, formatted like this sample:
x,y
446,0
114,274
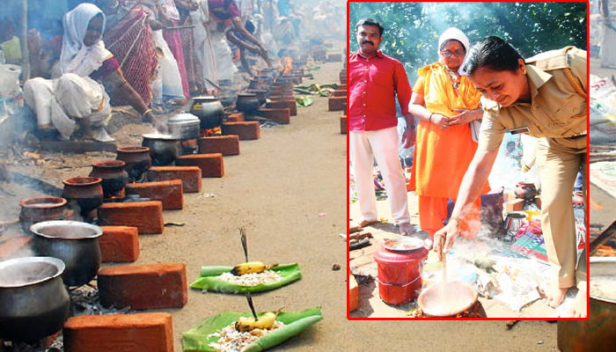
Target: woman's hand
x,y
449,233
408,138
440,120
464,117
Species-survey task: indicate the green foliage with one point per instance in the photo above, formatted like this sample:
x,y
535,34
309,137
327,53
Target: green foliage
x,y
412,29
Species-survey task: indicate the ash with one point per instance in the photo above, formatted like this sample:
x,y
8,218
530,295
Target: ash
x,y
84,301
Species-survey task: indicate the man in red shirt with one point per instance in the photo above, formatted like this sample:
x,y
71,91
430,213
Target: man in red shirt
x,y
374,81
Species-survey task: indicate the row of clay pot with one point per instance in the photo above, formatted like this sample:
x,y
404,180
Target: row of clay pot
x,y
106,180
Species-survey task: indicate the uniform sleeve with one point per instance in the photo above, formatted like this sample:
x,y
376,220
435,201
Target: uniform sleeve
x,y
403,88
491,132
419,86
578,65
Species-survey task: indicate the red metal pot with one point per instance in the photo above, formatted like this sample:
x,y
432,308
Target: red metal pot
x,y
399,274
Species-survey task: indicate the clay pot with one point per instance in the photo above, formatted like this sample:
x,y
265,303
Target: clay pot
x,y
39,209
137,160
87,192
113,174
526,191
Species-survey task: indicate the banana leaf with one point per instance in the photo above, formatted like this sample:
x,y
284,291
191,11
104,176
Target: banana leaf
x,y
304,101
197,340
209,281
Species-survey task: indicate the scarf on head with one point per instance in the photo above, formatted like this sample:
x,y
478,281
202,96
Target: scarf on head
x,y
76,57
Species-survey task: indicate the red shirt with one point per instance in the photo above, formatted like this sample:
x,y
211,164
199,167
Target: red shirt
x,y
374,84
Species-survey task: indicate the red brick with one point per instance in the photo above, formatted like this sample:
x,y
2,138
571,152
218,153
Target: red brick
x,y
236,116
538,201
339,93
244,130
514,205
343,124
343,76
226,145
190,176
353,294
291,104
211,165
281,96
170,193
283,85
286,92
342,86
149,286
13,245
147,217
119,244
337,103
282,116
151,332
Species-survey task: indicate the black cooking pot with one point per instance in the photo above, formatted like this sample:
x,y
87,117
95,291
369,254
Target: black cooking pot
x,y
260,93
75,243
163,148
247,103
209,110
33,301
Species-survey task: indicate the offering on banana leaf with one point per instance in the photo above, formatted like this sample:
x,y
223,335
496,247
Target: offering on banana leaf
x,y
233,332
246,277
221,279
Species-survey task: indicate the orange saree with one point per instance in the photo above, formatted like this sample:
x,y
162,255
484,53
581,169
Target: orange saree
x,y
442,156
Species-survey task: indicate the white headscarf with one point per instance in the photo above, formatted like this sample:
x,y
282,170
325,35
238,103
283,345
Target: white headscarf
x,y
76,57
455,34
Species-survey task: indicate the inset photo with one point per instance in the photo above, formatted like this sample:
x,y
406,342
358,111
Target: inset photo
x,y
467,127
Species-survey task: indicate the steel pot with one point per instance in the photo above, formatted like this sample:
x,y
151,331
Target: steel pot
x,y
163,148
76,243
247,103
598,333
33,301
184,126
209,110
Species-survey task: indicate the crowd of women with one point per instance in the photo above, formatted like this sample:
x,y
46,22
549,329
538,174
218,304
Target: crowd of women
x,y
145,53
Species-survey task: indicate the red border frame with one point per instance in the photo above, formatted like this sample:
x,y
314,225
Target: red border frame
x,y
587,175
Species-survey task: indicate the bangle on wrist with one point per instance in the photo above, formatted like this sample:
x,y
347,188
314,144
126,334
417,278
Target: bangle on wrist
x,y
147,111
430,118
411,127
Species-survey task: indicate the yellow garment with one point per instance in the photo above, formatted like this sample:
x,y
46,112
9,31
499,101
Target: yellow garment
x,y
442,156
11,49
439,94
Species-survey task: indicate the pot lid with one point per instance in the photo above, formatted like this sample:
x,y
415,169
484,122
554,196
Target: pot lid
x,y
402,257
205,98
407,244
157,136
183,118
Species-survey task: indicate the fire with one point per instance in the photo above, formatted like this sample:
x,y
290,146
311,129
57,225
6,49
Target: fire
x,y
286,66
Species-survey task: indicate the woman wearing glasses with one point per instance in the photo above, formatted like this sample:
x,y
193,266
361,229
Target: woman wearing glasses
x,y
445,104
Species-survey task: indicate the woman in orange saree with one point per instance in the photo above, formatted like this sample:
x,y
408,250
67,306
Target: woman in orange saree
x,y
445,104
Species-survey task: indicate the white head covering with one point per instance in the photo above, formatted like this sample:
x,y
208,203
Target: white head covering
x,y
456,34
76,57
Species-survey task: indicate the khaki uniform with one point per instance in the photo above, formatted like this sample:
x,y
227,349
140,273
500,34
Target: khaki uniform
x,y
557,115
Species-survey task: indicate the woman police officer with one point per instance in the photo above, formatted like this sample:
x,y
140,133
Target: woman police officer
x,y
544,96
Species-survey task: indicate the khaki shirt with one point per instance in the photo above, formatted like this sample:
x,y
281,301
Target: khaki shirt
x,y
556,109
